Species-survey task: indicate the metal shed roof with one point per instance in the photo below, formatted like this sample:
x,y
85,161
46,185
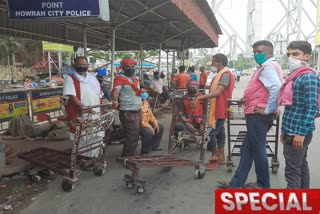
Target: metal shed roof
x,y
176,24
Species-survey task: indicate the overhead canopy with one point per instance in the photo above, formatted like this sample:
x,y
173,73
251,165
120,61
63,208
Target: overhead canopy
x,y
176,24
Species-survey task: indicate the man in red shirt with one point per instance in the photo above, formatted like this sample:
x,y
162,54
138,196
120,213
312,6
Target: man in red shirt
x,y
182,78
203,78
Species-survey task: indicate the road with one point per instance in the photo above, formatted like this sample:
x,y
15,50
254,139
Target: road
x,y
172,192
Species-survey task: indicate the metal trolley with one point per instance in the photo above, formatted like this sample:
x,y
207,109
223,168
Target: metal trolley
x,y
67,163
236,118
168,160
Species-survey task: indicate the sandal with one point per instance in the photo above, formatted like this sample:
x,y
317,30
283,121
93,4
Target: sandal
x,y
211,165
225,185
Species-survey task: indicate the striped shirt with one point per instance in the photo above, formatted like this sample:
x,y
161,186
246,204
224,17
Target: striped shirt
x,y
299,117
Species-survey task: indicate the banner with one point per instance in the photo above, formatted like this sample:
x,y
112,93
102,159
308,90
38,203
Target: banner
x,y
50,46
12,104
43,9
318,25
264,201
46,100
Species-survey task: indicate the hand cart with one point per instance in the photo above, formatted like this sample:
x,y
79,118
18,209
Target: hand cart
x,y
236,118
134,164
88,126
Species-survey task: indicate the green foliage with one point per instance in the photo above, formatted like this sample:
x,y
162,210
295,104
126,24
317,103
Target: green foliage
x,y
243,62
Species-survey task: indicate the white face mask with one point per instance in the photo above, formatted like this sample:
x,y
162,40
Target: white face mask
x,y
213,69
293,64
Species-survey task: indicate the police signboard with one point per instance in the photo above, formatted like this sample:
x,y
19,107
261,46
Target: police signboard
x,y
44,9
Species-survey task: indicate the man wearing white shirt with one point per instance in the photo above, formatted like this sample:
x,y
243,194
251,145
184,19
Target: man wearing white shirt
x,y
82,89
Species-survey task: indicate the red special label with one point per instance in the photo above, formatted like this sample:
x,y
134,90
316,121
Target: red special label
x,y
275,201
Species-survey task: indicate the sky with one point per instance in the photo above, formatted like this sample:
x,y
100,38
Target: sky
x,y
235,12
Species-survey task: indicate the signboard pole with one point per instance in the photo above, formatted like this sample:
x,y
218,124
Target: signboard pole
x,y
49,64
60,61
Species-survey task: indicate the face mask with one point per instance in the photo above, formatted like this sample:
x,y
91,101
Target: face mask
x,y
260,58
213,68
128,72
144,96
192,91
293,63
81,69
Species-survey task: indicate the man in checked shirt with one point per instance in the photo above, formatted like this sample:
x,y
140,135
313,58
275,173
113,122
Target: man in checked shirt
x,y
301,108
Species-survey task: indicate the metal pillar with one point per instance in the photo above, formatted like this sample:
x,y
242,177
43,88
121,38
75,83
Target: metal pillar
x,y
85,42
173,59
141,65
60,62
159,66
113,46
167,61
254,21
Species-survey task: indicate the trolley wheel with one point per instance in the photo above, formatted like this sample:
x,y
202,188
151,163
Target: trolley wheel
x,y
140,189
274,169
67,185
130,184
35,178
199,173
99,170
229,168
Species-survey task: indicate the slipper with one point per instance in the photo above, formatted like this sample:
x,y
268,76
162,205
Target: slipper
x,y
211,165
225,185
252,186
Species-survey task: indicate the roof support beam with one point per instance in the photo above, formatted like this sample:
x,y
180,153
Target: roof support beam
x,y
178,34
143,13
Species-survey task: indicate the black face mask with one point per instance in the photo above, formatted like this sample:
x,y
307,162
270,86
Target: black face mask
x,y
128,72
192,91
81,69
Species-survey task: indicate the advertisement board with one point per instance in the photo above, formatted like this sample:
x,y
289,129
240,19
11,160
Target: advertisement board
x,y
46,100
12,104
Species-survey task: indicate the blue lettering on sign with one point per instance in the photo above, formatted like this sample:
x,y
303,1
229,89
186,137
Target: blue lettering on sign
x,y
33,9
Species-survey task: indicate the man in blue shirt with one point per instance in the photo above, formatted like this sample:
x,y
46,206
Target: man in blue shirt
x,y
298,118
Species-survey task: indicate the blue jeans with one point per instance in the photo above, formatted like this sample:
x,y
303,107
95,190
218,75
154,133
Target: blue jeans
x,y
217,136
254,149
149,142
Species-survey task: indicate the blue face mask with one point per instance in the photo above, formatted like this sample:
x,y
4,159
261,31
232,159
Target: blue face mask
x,y
260,58
128,72
144,96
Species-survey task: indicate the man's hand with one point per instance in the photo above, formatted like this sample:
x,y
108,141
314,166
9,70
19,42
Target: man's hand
x,y
298,142
156,129
152,131
259,110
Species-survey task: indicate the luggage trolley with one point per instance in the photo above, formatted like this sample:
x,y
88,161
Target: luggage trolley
x,y
236,118
134,164
67,163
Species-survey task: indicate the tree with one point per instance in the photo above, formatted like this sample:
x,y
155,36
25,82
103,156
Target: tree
x,y
243,62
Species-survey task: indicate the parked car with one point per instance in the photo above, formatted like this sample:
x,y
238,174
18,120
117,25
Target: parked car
x,y
209,79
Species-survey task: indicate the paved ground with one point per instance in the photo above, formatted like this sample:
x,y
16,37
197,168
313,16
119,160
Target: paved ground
x,y
176,191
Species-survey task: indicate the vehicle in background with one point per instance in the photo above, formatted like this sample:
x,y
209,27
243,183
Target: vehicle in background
x,y
209,79
246,72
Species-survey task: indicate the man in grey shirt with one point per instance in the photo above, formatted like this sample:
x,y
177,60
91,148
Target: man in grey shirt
x,y
126,96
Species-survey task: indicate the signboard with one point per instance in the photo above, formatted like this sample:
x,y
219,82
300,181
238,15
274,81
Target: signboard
x,y
50,46
12,104
46,100
44,9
